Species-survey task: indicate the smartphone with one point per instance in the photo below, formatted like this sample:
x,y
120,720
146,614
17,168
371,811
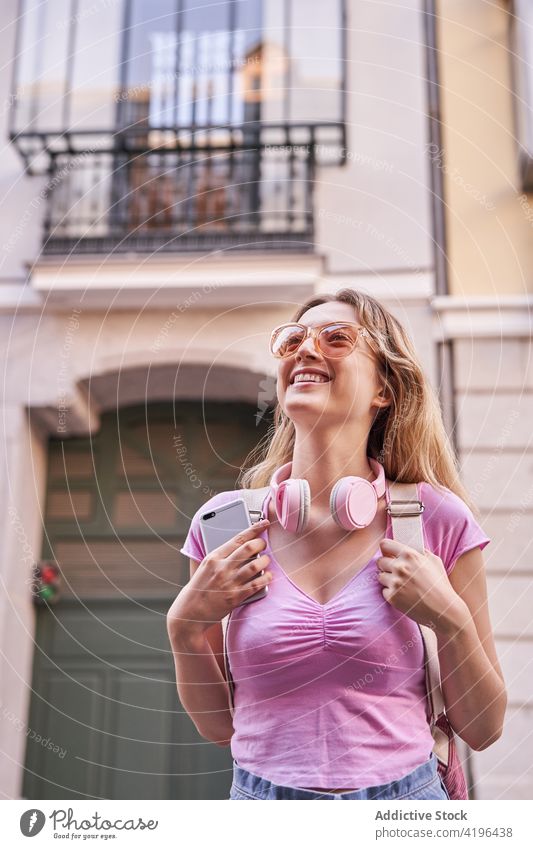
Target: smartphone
x,y
220,524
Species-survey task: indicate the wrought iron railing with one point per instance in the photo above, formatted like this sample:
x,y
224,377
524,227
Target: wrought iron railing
x,y
241,195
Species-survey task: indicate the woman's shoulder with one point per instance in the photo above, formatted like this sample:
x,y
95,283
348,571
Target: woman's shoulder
x,y
450,527
441,502
218,499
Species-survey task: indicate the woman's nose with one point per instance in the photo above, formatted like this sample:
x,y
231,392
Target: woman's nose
x,y
308,346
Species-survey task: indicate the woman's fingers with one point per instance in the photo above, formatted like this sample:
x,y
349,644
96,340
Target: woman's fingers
x,y
228,548
386,564
248,550
385,577
253,586
248,570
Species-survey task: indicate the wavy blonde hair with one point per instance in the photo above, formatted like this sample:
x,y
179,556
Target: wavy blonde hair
x,y
408,437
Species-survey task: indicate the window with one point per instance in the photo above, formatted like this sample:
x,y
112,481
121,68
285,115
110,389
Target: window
x,y
84,66
521,43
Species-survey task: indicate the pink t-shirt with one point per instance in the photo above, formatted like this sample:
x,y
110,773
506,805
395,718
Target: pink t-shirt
x,y
334,695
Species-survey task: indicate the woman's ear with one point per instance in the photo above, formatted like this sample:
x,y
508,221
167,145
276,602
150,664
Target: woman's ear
x,y
381,400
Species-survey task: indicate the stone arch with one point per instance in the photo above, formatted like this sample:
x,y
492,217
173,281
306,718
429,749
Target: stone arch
x,y
140,380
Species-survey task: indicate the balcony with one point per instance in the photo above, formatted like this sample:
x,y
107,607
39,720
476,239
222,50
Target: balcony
x,y
200,197
182,127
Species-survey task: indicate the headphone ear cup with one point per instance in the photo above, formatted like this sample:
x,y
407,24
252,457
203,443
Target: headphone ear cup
x,y
353,503
292,502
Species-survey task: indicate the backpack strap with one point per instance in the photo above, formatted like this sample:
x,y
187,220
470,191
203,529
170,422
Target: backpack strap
x,y
254,499
405,509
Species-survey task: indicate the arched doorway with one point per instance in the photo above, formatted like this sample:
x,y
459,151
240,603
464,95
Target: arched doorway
x,y
105,710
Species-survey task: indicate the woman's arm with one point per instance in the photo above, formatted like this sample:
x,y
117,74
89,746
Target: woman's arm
x,y
222,581
472,680
200,677
456,606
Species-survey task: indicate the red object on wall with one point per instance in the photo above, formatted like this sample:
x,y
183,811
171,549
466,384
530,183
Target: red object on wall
x,y
46,582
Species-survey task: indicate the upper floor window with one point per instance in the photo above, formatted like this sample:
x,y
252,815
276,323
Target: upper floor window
x,y
141,65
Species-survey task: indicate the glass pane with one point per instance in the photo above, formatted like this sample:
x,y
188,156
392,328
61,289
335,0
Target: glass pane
x,y
25,93
53,58
522,52
151,64
247,63
274,62
43,64
316,69
96,72
204,63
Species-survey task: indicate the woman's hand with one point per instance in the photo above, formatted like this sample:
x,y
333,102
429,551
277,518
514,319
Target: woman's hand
x,y
417,584
222,581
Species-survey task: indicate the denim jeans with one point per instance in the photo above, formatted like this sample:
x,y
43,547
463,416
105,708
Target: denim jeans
x,y
424,782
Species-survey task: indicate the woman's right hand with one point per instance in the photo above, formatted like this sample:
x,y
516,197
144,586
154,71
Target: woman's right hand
x,y
222,581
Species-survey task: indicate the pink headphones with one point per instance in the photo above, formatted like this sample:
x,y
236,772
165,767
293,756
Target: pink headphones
x,y
353,501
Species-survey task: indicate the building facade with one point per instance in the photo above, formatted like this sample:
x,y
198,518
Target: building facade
x,y
175,183
486,52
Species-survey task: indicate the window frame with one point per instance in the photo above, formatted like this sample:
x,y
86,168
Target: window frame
x,y
520,48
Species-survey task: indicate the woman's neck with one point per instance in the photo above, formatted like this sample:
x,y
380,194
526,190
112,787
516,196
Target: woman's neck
x,y
323,464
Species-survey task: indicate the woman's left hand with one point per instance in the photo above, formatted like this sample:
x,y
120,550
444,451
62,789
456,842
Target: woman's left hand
x,y
416,584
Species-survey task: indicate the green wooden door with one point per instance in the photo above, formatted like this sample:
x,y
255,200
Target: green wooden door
x,y
105,719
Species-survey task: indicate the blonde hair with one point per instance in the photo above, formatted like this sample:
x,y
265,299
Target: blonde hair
x,y
408,437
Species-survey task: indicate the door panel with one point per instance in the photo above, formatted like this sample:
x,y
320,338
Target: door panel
x,y
105,718
105,702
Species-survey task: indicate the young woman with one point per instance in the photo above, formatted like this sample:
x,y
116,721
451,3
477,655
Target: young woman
x,y
330,698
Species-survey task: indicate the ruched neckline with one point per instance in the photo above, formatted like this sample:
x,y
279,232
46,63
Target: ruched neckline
x,y
345,587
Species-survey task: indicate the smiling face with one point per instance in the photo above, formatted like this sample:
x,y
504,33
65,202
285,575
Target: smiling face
x,y
341,391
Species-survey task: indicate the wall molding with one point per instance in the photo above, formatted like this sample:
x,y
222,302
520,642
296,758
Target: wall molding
x,y
482,317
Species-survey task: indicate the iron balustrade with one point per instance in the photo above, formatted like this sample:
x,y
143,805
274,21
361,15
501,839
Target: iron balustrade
x,y
203,198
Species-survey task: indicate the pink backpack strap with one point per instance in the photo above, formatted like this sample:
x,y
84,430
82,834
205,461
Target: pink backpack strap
x,y
405,509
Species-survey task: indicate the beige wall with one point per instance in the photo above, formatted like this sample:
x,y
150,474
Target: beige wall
x,y
373,214
494,400
487,321
22,483
490,235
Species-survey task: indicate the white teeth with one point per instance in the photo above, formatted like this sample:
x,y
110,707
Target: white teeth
x,y
315,378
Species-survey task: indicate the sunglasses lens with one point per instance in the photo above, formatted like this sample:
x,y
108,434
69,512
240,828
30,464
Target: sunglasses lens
x,y
286,340
337,340
334,340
